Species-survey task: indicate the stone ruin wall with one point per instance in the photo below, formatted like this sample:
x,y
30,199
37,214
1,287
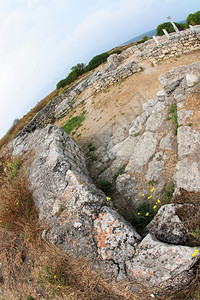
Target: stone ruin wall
x,y
115,69
177,44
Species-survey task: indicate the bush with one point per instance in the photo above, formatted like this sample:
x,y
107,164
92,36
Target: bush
x,y
144,39
142,215
97,60
104,185
169,27
194,19
117,51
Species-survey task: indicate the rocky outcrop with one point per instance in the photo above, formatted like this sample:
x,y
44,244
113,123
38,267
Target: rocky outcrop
x,y
82,220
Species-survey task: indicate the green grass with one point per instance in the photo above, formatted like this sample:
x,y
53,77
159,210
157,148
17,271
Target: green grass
x,y
74,122
168,193
119,172
142,215
172,115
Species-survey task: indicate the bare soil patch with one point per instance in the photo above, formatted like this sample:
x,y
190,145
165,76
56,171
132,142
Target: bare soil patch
x,y
122,102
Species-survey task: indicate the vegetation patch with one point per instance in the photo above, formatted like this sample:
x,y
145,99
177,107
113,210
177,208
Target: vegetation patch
x,y
172,115
104,185
119,172
74,122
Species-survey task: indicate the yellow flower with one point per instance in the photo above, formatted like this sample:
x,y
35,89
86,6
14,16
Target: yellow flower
x,y
158,201
54,276
154,206
193,254
153,188
138,214
142,195
196,251
136,199
108,198
113,169
17,203
147,213
150,197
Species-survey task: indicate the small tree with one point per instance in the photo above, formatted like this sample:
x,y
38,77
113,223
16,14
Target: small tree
x,y
169,27
194,19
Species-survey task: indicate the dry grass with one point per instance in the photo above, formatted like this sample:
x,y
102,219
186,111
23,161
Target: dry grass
x,y
31,266
15,129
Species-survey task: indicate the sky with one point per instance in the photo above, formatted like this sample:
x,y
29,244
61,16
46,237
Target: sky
x,y
40,40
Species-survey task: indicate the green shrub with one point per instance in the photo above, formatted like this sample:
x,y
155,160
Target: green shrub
x,y
194,19
144,39
104,185
172,115
168,193
97,60
117,51
119,172
74,122
142,215
169,27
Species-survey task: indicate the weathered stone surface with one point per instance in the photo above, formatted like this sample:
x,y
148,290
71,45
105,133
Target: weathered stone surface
x,y
116,239
188,140
192,79
167,227
144,149
183,115
126,185
156,121
155,169
137,124
64,106
172,79
161,95
124,149
118,136
156,262
166,142
187,175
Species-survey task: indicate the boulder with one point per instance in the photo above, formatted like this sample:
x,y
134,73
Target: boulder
x,y
124,150
188,140
126,185
144,149
116,239
167,227
154,262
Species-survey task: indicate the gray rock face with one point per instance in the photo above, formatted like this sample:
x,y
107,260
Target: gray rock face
x,y
144,149
124,149
167,227
126,185
116,239
161,95
156,262
172,79
166,142
155,122
138,123
188,140
187,175
183,115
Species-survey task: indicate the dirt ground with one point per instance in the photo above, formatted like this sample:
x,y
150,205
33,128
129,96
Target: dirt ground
x,y
120,103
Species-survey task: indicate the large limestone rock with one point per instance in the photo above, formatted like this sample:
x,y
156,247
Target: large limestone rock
x,y
167,227
188,140
155,262
144,149
126,185
116,239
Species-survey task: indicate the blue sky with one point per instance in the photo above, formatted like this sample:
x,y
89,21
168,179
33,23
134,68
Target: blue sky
x,y
40,40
